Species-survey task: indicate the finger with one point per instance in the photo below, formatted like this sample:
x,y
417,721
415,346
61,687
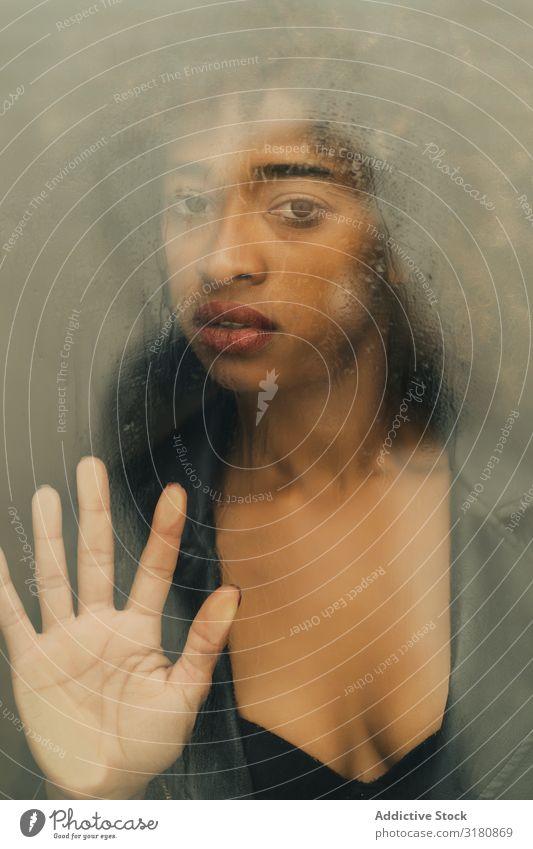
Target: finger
x,y
95,538
158,560
17,629
55,593
207,637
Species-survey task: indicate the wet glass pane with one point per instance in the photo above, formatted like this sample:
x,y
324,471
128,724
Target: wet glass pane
x,y
270,265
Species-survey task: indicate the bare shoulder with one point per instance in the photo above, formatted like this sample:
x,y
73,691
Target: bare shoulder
x,y
416,454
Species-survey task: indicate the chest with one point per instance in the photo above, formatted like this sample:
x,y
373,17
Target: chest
x,y
342,638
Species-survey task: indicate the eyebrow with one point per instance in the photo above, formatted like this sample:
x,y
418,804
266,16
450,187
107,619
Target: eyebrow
x,y
273,170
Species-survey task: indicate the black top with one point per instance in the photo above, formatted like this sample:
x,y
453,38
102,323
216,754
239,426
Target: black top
x,y
280,770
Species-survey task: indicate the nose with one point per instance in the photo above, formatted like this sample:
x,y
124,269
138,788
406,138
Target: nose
x,y
234,252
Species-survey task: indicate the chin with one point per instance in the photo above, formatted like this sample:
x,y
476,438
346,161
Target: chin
x,y
238,375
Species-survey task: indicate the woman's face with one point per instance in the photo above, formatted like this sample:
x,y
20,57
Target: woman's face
x,y
268,240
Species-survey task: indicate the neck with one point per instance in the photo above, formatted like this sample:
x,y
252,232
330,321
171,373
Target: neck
x,y
317,430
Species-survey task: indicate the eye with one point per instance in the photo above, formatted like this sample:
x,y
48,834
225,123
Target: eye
x,y
190,203
299,211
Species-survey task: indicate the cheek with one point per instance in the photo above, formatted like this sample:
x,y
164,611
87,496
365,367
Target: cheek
x,y
342,315
318,273
312,253
331,301
344,307
317,317
337,324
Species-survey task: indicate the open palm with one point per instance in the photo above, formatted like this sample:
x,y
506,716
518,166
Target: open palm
x,y
97,685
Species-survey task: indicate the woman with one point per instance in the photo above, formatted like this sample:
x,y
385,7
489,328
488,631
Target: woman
x,y
314,457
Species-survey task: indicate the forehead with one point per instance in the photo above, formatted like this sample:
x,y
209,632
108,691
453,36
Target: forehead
x,y
238,138
248,149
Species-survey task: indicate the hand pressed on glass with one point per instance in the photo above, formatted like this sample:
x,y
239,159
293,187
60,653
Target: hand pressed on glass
x,y
97,684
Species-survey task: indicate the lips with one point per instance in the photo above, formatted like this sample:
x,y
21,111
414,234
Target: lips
x,y
223,312
233,328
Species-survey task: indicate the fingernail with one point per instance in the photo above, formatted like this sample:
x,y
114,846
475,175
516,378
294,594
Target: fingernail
x,y
240,592
227,608
175,493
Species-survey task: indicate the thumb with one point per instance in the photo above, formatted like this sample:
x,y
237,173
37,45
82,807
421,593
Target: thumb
x,y
207,637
